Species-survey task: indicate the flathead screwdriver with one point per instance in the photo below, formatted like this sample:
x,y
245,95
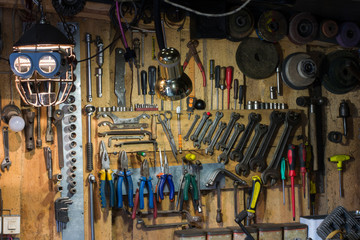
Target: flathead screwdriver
x,y
152,80
222,85
241,95
292,165
144,84
212,63
236,91
217,85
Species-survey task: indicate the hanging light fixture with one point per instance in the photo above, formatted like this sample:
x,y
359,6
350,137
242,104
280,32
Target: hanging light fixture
x,y
43,63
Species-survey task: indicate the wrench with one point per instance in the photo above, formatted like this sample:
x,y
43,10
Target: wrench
x,y
58,117
169,136
237,154
224,157
276,120
123,125
210,149
243,167
197,143
292,119
222,142
209,135
205,116
124,137
6,163
186,138
117,120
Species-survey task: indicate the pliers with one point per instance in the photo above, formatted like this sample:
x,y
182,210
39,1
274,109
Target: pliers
x,y
192,44
106,179
124,176
188,180
165,176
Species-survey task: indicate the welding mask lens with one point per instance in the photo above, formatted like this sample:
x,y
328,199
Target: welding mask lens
x,y
47,64
22,65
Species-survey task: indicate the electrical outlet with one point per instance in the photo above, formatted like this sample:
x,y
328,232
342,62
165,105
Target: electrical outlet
x,y
11,224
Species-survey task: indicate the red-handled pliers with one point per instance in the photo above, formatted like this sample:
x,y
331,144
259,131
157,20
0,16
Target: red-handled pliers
x,y
192,44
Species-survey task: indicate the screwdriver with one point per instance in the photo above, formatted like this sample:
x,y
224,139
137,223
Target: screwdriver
x,y
136,45
236,91
144,84
217,85
339,159
302,159
212,63
283,170
229,78
178,112
222,85
241,94
308,164
152,80
292,174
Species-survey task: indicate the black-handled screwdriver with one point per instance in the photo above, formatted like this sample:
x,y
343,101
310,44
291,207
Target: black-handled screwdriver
x,y
241,94
236,91
217,85
212,63
144,84
152,80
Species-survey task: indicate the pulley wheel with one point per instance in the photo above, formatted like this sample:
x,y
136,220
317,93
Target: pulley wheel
x,y
68,8
303,28
272,26
257,59
341,71
240,25
299,71
329,28
349,35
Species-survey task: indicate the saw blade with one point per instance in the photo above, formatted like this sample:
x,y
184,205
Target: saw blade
x,y
303,28
272,26
240,25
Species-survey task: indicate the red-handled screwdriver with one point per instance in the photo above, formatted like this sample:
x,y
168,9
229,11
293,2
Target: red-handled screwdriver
x,y
302,158
229,78
292,158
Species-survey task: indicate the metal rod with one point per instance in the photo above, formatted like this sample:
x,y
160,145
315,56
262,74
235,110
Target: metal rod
x,y
88,67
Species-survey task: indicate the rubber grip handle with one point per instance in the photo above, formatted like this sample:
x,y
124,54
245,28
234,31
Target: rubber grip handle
x,y
256,189
292,160
161,186
212,65
217,76
136,205
130,190
283,168
241,93
89,156
195,191
186,187
152,80
112,194
151,194
119,190
302,158
143,82
141,192
236,89
171,187
102,188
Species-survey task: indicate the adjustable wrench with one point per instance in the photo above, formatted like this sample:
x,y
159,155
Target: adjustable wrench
x,y
210,149
211,131
186,138
292,119
197,143
237,154
222,142
6,163
205,116
276,120
243,167
224,157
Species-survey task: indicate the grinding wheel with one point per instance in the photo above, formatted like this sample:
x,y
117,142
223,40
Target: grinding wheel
x,y
299,71
341,71
240,25
303,28
272,26
349,35
257,59
329,28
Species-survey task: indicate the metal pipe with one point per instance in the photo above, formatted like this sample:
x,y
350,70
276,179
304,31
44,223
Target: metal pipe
x,y
88,67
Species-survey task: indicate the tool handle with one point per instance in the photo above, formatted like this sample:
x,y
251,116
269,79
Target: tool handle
x,y
152,79
217,76
155,207
292,160
195,191
256,188
201,67
236,89
143,82
111,187
153,127
283,168
222,78
186,187
119,190
171,187
130,190
212,65
241,93
313,140
102,187
229,77
133,216
162,186
302,158
136,43
151,194
141,192
89,156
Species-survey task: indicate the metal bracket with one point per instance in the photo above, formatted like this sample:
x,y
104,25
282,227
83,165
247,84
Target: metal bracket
x,y
120,76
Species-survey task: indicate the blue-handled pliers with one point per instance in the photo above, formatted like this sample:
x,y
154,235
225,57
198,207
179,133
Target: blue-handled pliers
x,y
106,178
145,179
166,177
124,176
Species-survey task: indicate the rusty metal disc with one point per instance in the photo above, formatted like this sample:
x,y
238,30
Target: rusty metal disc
x,y
299,71
257,59
329,28
240,25
303,28
272,26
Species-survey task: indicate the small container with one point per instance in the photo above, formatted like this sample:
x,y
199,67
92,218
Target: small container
x,y
218,234
296,231
238,233
190,234
269,231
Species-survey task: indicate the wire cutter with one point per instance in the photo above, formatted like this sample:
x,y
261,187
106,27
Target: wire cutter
x,y
192,44
187,182
124,176
106,179
165,176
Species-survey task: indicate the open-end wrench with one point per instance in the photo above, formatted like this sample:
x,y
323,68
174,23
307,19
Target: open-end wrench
x,y
211,131
205,116
292,119
197,143
6,163
210,149
224,157
222,142
276,120
243,167
197,117
237,154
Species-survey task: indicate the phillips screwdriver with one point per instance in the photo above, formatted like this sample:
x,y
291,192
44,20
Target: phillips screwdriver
x,y
236,91
229,78
144,84
217,85
302,159
136,45
292,164
222,85
152,80
283,170
212,63
241,95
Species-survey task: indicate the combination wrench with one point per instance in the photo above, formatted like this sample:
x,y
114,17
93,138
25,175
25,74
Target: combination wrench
x,y
222,142
216,121
224,157
197,143
6,163
196,118
205,116
210,149
169,136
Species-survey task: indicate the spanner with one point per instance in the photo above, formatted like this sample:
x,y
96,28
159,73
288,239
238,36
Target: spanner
x,y
169,136
222,142
210,149
209,135
197,143
205,116
6,163
292,119
197,117
243,167
117,120
237,154
276,120
224,157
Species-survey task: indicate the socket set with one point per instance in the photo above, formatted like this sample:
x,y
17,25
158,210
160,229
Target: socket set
x,y
255,105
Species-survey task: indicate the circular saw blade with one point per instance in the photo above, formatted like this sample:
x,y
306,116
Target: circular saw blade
x,y
257,59
303,28
240,25
272,26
